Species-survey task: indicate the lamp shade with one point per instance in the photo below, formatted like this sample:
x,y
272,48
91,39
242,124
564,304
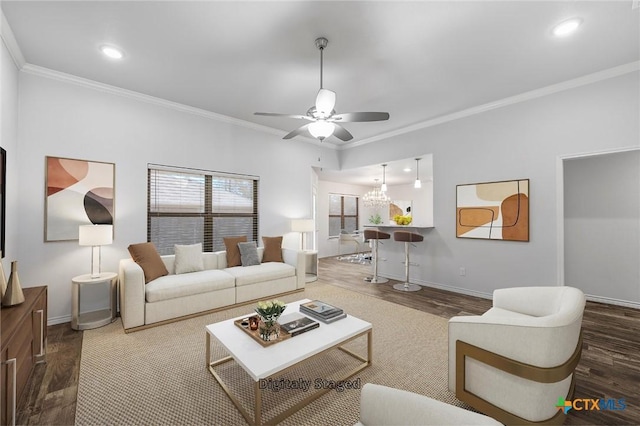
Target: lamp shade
x,y
302,225
95,235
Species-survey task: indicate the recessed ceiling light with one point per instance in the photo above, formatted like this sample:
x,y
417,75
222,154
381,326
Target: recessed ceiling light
x,y
566,27
112,52
406,169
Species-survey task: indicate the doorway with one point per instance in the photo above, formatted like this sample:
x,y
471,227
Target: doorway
x,y
601,226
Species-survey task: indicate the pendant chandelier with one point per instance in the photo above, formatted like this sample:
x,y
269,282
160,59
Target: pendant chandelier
x,y
417,184
375,197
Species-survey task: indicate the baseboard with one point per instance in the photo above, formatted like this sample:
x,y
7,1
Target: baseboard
x,y
611,301
468,292
58,320
446,287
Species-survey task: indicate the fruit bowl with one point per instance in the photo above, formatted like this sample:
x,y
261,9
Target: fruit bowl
x,y
402,220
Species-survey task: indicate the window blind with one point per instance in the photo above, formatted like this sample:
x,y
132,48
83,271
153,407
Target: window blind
x,y
187,206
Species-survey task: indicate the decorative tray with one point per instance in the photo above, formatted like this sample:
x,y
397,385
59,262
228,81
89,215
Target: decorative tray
x,y
255,334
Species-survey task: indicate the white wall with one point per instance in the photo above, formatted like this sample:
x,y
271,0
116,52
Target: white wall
x,y
523,140
602,225
62,119
9,141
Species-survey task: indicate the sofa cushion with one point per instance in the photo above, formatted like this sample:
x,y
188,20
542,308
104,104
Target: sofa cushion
x,y
260,273
233,252
188,258
272,249
249,253
146,255
174,286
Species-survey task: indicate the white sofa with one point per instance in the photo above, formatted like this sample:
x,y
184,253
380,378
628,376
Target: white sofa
x,y
382,405
173,296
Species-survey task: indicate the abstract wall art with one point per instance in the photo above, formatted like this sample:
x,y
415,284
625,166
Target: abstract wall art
x,y
493,210
78,192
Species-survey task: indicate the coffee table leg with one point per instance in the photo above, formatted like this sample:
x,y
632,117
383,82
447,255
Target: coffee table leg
x,y
258,408
369,346
208,351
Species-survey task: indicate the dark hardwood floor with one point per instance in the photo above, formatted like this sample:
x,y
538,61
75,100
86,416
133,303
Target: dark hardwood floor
x,y
609,367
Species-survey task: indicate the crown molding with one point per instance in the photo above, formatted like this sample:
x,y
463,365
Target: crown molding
x,y
130,94
10,41
523,97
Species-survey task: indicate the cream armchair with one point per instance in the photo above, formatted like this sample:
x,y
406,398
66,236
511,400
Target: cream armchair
x,y
514,361
381,405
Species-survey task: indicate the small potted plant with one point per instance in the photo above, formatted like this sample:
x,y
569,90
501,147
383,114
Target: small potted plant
x,y
269,313
375,219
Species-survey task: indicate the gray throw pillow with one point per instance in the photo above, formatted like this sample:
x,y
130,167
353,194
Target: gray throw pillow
x,y
249,253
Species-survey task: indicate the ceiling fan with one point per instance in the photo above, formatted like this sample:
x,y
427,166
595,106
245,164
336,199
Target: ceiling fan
x,y
323,120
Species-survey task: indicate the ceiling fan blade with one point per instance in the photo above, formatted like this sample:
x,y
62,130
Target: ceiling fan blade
x,y
341,133
361,116
325,101
297,131
275,114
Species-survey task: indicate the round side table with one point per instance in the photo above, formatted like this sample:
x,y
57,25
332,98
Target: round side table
x,y
87,320
311,265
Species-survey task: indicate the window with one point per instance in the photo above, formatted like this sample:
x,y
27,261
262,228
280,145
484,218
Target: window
x,y
343,214
187,206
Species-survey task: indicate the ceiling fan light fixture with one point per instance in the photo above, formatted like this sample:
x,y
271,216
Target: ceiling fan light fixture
x,y
321,129
325,101
324,120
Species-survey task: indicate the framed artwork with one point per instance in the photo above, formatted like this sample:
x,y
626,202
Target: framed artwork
x,y
493,210
401,207
3,198
78,192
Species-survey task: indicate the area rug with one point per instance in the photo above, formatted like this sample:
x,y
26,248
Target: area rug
x,y
158,376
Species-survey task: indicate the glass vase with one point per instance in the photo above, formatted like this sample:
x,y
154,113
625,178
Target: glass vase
x,y
269,330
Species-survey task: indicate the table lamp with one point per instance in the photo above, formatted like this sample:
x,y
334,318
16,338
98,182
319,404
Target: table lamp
x,y
302,226
95,236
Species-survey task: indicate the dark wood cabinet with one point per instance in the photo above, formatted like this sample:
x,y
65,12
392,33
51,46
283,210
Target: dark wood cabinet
x,y
24,335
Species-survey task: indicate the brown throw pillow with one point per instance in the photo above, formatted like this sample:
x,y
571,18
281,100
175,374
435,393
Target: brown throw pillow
x,y
146,255
233,252
272,249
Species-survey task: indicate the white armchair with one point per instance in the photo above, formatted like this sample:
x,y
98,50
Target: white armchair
x,y
515,361
381,405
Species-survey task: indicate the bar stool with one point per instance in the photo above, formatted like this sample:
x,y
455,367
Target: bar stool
x,y
375,235
407,238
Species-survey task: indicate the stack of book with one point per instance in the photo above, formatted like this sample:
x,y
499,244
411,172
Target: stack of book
x,y
322,311
295,323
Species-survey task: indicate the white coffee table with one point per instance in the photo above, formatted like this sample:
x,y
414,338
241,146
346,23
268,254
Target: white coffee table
x,y
263,362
